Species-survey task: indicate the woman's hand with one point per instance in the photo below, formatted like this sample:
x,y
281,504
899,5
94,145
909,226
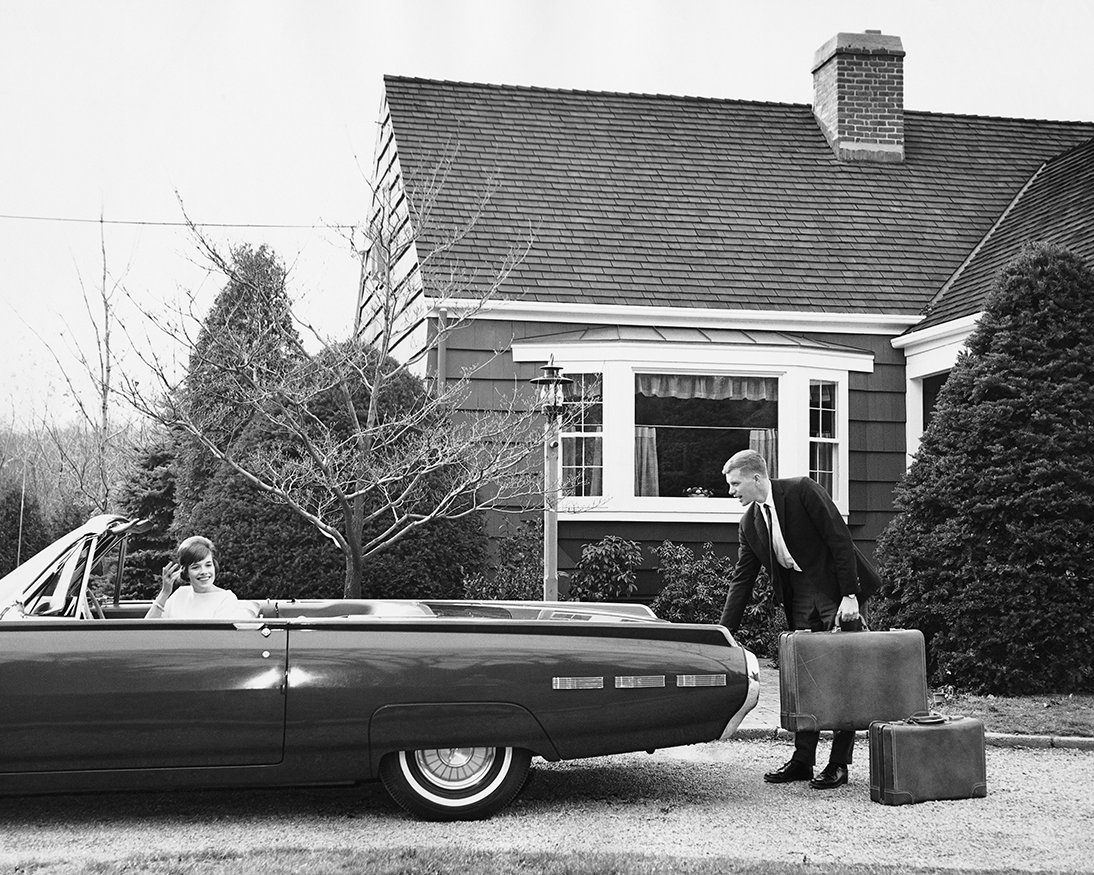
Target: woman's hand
x,y
171,574
169,577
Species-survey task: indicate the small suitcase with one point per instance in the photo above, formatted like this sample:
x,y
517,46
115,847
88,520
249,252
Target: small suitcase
x,y
848,680
927,757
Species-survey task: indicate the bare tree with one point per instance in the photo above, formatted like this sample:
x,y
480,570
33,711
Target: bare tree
x,y
348,437
83,458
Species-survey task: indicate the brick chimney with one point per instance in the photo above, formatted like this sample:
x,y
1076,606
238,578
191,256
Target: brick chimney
x,y
858,96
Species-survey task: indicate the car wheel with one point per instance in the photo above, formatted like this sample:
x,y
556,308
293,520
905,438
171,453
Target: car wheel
x,y
458,783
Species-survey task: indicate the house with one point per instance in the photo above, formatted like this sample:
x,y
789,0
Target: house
x,y
720,274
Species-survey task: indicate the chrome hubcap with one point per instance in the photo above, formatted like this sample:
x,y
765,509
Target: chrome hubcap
x,y
454,768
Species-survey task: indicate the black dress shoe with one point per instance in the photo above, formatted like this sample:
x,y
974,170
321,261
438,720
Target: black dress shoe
x,y
791,771
831,775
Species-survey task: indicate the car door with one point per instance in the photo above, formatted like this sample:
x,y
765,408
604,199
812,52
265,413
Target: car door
x,y
138,694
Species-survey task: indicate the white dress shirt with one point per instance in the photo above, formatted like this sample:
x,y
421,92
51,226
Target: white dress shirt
x,y
778,543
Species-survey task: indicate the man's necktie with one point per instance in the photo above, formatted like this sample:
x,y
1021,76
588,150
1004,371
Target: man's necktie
x,y
770,540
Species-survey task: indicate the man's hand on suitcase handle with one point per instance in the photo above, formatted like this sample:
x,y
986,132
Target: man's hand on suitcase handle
x,y
847,617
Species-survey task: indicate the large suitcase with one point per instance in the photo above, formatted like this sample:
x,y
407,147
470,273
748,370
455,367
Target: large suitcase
x,y
848,680
927,757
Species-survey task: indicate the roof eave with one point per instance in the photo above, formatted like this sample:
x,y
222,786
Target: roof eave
x,y
888,324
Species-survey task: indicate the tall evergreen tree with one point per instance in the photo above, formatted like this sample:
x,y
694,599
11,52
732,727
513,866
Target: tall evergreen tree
x,y
992,552
23,531
246,345
148,492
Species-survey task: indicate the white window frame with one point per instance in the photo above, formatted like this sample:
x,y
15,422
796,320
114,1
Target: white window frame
x,y
927,353
793,367
565,435
837,439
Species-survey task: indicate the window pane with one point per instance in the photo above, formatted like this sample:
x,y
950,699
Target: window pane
x,y
687,425
822,433
582,466
822,465
582,436
584,403
822,410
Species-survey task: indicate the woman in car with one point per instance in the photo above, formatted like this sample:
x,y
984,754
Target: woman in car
x,y
202,599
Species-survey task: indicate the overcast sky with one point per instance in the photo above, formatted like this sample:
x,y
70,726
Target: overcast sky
x,y
264,114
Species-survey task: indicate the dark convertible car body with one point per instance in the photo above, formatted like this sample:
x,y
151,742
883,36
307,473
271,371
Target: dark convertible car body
x,y
446,701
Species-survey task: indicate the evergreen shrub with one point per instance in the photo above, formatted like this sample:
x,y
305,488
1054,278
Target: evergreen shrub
x,y
606,571
268,551
433,562
517,570
265,549
23,531
694,591
992,551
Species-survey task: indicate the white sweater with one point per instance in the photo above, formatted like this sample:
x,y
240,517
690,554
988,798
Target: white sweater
x,y
185,604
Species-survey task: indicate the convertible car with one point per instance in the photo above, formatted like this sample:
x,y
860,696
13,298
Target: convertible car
x,y
446,702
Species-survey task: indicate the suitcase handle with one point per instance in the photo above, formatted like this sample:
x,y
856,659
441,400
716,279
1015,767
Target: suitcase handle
x,y
927,718
858,625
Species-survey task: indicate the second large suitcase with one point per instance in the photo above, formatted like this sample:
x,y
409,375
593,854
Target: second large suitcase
x,y
848,680
927,757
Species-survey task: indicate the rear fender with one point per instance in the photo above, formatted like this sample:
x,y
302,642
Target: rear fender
x,y
455,724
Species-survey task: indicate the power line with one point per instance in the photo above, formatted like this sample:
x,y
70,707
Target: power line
x,y
162,224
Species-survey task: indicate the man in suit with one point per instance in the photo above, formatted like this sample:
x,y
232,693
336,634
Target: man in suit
x,y
792,528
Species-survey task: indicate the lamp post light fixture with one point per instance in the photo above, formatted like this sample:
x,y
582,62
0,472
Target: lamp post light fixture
x,y
552,396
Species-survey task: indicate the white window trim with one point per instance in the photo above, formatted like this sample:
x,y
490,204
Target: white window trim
x,y
927,353
619,362
838,439
582,435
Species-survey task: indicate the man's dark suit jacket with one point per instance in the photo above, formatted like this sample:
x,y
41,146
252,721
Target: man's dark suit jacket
x,y
817,538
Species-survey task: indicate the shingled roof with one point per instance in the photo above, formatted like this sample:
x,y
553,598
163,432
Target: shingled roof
x,y
694,202
1057,206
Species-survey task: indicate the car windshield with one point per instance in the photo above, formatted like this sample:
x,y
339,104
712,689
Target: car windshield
x,y
60,586
49,582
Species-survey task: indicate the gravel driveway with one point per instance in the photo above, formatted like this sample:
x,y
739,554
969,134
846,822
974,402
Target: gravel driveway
x,y
701,801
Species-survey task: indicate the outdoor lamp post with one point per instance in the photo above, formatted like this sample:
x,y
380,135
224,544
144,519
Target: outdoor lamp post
x,y
552,387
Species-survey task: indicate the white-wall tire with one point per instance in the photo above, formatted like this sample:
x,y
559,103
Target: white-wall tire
x,y
455,783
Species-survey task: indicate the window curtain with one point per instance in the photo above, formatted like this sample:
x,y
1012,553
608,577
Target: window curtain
x,y
645,460
595,449
582,465
762,440
707,386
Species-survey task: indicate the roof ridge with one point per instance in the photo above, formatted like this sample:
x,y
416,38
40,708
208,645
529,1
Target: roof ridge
x,y
587,92
583,92
999,118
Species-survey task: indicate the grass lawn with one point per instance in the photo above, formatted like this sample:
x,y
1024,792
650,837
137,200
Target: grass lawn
x,y
1050,714
412,861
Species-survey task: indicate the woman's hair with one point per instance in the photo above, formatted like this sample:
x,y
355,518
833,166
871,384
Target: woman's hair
x,y
747,462
194,549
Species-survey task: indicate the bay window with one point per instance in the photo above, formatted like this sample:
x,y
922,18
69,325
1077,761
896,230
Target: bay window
x,y
686,425
653,423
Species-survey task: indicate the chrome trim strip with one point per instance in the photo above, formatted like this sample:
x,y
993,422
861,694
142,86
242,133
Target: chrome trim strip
x,y
700,680
641,681
577,683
